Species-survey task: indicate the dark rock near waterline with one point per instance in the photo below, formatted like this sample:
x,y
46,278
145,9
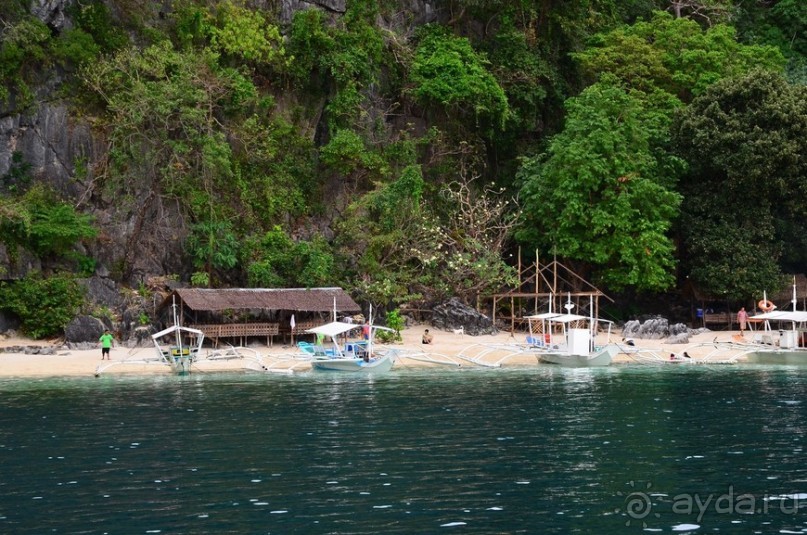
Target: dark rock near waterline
x,y
659,328
30,350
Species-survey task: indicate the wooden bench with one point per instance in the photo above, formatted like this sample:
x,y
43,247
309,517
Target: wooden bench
x,y
239,330
721,318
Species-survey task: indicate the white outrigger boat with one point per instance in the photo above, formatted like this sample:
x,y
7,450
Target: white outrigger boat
x,y
177,347
575,347
180,356
785,345
358,356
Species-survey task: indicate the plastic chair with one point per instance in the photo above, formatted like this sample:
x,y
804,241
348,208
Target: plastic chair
x,y
306,347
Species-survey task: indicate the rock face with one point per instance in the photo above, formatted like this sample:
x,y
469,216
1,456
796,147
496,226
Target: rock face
x,y
51,12
84,329
454,315
51,142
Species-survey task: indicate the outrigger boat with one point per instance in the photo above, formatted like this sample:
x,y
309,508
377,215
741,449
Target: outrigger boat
x,y
178,355
575,348
357,356
787,345
172,350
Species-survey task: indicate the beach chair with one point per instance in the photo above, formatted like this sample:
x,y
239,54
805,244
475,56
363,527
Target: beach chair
x,y
306,347
535,341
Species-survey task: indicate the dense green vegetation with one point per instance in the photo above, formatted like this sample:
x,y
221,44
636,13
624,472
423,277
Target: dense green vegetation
x,y
645,142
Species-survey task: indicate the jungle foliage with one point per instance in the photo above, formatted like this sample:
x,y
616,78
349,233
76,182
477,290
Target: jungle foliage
x,y
407,161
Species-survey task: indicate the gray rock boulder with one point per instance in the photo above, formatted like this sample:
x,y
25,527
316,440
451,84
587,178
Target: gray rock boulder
x,y
84,329
454,315
657,328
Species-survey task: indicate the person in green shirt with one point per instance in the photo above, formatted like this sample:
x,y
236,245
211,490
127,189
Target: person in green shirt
x,y
106,344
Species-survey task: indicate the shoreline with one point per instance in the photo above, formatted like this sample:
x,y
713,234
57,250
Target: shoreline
x,y
67,362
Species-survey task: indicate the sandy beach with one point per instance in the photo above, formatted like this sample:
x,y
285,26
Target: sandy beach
x,y
445,346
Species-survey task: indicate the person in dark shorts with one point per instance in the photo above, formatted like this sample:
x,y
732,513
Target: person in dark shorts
x,y
106,344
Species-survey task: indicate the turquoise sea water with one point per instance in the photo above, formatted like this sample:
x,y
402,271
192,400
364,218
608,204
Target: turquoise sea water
x,y
545,450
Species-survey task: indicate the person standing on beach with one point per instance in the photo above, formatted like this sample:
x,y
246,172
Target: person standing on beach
x,y
742,319
106,344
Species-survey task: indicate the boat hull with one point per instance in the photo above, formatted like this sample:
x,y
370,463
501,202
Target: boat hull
x,y
602,357
354,365
778,356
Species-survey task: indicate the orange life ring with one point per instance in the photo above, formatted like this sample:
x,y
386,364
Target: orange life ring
x,y
765,305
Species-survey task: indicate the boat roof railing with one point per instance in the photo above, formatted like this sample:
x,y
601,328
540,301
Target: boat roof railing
x,y
783,315
175,328
335,328
562,318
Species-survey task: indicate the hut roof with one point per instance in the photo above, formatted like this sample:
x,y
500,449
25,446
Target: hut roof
x,y
292,299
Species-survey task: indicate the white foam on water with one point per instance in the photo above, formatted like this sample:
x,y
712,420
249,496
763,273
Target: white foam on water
x,y
331,482
204,515
734,452
364,493
254,480
653,529
685,527
278,512
453,524
799,496
387,484
153,531
496,508
522,482
788,531
381,506
261,503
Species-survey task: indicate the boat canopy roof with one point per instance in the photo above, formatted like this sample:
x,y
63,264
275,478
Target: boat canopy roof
x,y
333,328
562,318
175,328
336,328
783,315
544,316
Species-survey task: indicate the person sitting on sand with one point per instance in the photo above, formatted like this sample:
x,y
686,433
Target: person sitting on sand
x,y
427,337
